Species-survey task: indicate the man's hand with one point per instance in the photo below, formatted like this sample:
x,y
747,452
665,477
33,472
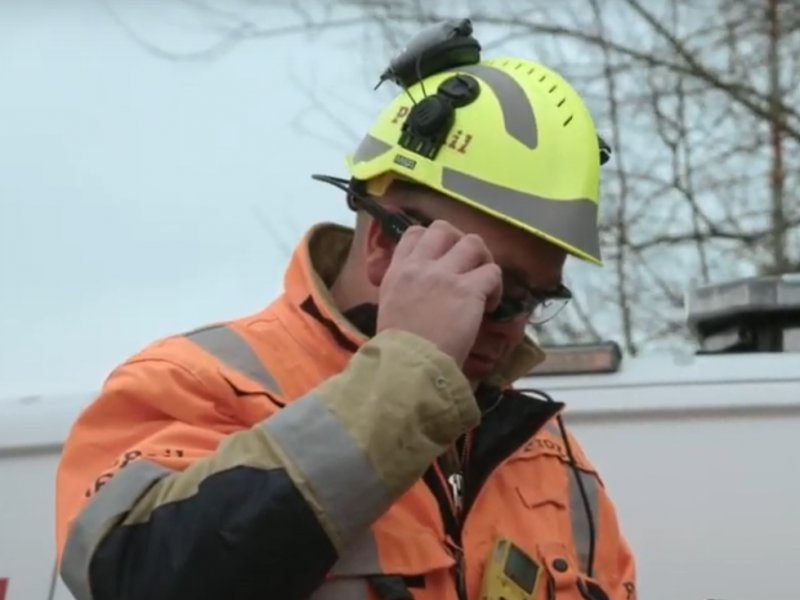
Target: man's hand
x,y
439,285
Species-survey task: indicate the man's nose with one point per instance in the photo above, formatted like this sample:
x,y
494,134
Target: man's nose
x,y
509,328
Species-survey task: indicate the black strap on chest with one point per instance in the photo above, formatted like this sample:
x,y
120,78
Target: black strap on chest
x,y
393,587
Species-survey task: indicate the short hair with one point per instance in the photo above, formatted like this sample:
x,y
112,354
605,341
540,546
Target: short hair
x,y
406,187
401,188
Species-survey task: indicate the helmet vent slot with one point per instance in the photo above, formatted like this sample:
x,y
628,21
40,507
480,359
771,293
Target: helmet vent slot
x,y
569,118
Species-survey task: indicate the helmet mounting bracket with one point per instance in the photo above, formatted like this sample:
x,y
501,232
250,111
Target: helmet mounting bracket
x,y
436,49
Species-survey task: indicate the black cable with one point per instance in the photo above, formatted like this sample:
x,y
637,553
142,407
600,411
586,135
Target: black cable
x,y
378,213
419,74
584,496
575,471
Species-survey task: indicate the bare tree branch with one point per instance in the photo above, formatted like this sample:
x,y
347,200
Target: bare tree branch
x,y
755,101
624,302
699,100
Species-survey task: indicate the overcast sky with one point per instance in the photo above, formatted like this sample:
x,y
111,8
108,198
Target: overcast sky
x,y
141,196
129,184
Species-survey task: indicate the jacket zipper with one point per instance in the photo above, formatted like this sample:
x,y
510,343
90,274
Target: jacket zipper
x,y
452,518
470,485
438,484
449,493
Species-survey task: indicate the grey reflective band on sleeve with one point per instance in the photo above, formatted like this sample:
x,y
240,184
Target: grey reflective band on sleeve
x,y
98,517
518,116
337,471
342,589
361,558
580,520
230,348
571,221
347,580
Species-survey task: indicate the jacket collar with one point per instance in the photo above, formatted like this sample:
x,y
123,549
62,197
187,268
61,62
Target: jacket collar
x,y
313,268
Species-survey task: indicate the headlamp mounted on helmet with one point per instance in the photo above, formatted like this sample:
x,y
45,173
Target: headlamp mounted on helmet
x,y
436,49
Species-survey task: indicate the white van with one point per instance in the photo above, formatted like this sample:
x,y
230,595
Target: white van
x,y
697,453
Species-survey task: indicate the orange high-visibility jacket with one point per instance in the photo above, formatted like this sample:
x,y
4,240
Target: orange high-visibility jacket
x,y
287,456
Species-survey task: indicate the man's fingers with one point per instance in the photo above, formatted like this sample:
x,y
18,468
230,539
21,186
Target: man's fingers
x,y
441,288
408,241
467,254
438,238
488,281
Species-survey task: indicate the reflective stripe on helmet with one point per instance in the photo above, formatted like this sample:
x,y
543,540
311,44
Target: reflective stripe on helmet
x,y
570,221
369,148
573,222
518,116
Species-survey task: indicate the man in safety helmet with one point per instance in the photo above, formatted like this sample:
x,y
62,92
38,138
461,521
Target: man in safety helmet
x,y
360,438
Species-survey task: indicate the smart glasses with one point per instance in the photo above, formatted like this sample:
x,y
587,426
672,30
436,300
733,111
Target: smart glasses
x,y
519,300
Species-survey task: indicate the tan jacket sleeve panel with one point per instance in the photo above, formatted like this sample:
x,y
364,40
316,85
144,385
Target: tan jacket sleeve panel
x,y
397,407
192,488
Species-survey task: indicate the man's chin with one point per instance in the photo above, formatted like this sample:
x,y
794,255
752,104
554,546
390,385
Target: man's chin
x,y
477,368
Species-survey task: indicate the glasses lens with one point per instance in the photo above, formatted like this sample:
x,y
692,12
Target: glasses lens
x,y
546,309
508,310
534,310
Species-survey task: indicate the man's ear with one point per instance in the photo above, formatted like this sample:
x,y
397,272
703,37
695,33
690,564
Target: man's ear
x,y
378,252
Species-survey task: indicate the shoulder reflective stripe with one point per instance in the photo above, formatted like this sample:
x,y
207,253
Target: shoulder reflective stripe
x,y
113,500
369,148
580,520
337,471
552,428
573,221
518,115
342,589
232,349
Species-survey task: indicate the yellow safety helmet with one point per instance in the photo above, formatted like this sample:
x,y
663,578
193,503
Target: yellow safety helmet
x,y
507,136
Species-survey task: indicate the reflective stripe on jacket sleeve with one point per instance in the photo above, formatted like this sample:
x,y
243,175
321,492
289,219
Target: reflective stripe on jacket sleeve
x,y
261,512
